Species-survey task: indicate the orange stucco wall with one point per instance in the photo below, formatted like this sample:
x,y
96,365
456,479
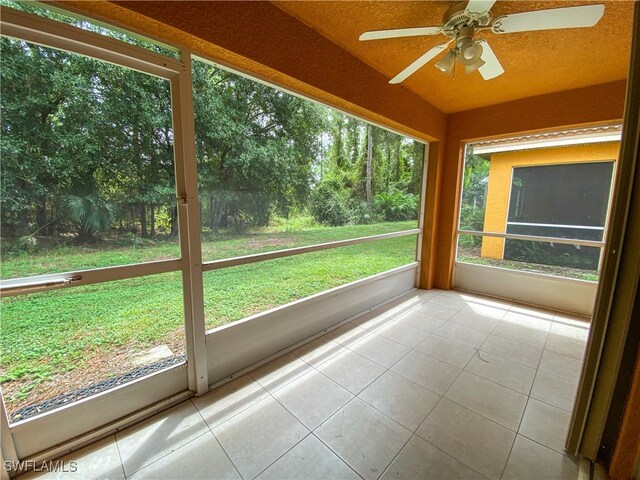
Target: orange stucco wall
x,y
499,187
262,40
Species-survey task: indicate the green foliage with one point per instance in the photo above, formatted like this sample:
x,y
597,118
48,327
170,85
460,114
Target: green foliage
x,y
91,213
397,206
361,213
327,205
469,241
87,149
474,193
585,258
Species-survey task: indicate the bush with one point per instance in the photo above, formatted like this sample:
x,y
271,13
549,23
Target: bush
x,y
296,222
472,219
327,206
362,214
396,206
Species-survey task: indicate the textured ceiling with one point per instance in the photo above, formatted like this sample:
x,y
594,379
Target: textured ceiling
x,y
535,62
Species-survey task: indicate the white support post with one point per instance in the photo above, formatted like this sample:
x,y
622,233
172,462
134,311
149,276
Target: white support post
x,y
8,449
189,223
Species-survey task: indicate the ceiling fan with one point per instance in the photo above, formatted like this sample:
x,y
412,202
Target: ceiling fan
x,y
462,21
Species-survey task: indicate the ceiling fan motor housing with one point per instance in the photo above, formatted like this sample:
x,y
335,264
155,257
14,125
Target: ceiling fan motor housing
x,y
457,18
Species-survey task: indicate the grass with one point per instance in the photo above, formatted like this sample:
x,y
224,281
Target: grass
x,y
566,272
55,341
110,253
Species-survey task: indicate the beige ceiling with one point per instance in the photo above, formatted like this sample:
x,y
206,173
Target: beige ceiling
x,y
535,62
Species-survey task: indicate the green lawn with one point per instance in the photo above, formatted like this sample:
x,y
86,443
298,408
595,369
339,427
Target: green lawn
x,y
109,253
532,267
81,335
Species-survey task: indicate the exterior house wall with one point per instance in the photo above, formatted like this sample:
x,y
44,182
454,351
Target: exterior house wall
x,y
499,186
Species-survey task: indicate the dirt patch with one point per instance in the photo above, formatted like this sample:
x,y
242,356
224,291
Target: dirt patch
x,y
96,366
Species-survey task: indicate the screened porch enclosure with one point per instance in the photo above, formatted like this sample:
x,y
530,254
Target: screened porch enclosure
x,y
198,236
218,213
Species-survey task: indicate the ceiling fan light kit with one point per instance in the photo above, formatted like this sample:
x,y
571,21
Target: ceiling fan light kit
x,y
463,20
446,63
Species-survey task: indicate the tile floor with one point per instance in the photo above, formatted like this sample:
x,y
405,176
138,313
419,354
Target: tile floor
x,y
435,385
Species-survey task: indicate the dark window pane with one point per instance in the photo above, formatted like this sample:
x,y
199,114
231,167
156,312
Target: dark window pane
x,y
566,201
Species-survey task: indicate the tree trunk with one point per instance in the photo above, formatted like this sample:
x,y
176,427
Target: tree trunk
x,y
369,163
174,222
52,226
153,220
389,170
212,213
143,220
41,214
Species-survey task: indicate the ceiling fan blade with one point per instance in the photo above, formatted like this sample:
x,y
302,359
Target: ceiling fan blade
x,y
479,6
422,60
400,32
492,67
567,17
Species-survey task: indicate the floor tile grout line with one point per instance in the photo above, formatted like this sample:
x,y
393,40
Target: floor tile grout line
x,y
435,334
313,432
355,395
391,320
241,411
280,456
330,415
386,338
514,340
216,438
451,456
496,383
226,454
496,423
427,388
168,453
115,440
388,369
502,356
439,359
268,394
377,410
554,376
488,419
278,402
384,470
563,453
336,453
526,405
493,421
115,435
383,366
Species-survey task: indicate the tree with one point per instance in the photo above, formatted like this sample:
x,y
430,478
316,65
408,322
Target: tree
x,y
255,146
87,148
